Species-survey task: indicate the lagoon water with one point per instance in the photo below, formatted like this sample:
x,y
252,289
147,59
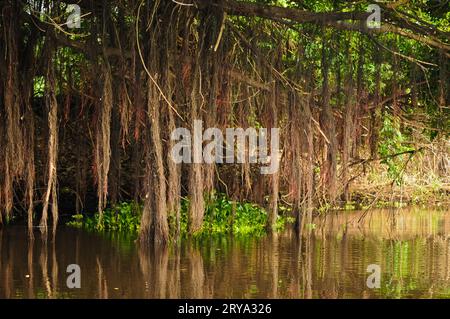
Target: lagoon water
x,y
411,247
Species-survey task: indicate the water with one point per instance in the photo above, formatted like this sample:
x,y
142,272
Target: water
x,y
411,246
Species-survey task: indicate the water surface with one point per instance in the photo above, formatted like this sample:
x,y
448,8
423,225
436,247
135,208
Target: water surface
x,y
411,246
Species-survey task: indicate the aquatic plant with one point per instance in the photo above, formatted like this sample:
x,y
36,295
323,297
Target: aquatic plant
x,y
222,216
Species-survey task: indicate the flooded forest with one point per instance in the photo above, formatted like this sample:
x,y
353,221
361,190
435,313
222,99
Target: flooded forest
x,y
166,146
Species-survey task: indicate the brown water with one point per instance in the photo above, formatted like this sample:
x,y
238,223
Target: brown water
x,y
412,247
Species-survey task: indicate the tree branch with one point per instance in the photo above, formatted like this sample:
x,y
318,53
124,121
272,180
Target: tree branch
x,y
333,19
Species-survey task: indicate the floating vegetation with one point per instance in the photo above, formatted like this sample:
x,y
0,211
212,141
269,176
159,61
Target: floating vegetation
x,y
222,216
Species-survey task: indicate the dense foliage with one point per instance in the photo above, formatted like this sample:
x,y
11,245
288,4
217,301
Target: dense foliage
x,y
222,216
86,114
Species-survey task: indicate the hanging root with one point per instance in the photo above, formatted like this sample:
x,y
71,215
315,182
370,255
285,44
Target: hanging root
x,y
14,158
159,182
103,146
51,191
30,170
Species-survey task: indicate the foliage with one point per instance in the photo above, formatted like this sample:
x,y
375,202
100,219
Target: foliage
x,y
125,216
226,216
222,216
393,142
77,221
329,77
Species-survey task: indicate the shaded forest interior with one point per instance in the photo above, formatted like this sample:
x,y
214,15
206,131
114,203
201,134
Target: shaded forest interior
x,y
86,113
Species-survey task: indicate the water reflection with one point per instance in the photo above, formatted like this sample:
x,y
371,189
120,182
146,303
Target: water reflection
x,y
412,248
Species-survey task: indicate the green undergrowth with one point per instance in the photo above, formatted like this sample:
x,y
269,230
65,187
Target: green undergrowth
x,y
222,216
124,217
